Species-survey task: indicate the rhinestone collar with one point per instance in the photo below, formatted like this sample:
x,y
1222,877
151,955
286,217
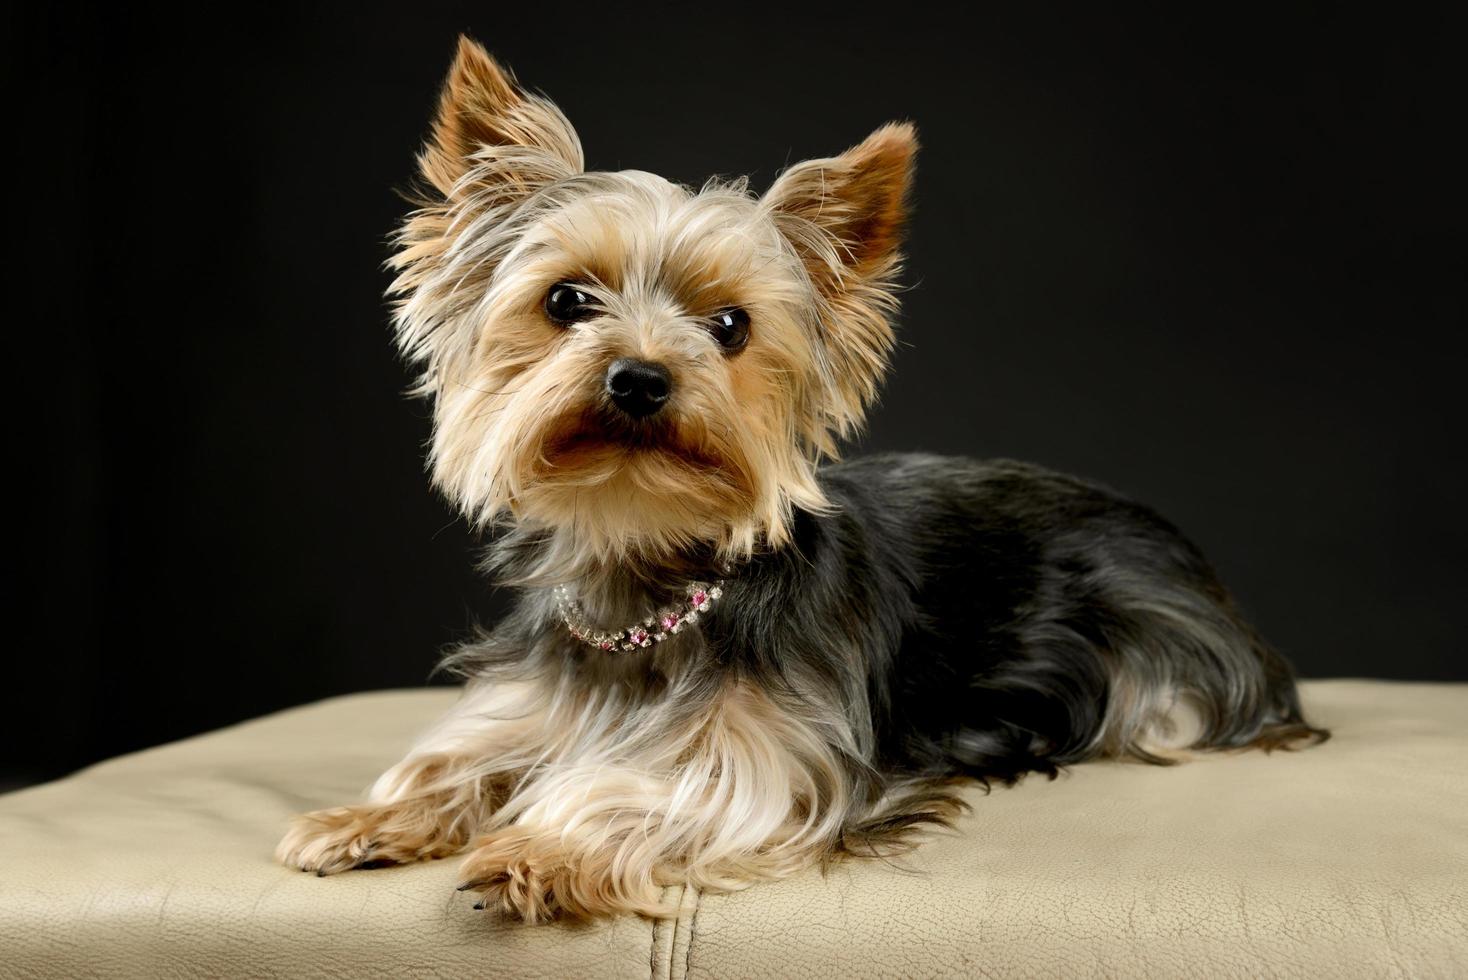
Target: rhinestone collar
x,y
699,598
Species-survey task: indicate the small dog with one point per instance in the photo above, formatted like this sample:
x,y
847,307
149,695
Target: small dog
x,y
727,662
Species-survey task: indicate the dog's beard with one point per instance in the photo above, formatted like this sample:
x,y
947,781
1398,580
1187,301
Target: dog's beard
x,y
635,488
593,445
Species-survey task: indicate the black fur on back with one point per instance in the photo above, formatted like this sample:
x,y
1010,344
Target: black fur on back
x,y
965,618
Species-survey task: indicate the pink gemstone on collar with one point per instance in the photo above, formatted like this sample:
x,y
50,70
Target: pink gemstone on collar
x,y
638,635
700,599
606,645
669,621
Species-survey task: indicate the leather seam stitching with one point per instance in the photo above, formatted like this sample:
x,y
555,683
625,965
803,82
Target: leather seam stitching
x,y
677,925
659,926
692,930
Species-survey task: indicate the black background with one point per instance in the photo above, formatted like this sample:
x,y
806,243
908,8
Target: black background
x,y
1210,261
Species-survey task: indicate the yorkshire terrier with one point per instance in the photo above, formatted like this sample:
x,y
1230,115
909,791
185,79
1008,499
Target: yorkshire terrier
x,y
728,662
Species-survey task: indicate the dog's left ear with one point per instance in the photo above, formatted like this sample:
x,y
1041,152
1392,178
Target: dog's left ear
x,y
845,217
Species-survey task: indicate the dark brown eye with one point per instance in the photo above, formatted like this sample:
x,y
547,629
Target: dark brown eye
x,y
730,328
567,303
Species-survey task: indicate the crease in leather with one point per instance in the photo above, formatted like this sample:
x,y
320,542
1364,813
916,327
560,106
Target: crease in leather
x,y
660,954
692,934
672,937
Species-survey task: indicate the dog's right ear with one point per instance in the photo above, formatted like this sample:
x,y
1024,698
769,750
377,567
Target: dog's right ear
x,y
491,145
490,130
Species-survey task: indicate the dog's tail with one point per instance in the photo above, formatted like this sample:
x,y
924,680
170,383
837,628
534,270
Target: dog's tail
x,y
1190,674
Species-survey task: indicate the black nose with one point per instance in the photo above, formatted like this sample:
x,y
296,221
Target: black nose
x,y
638,388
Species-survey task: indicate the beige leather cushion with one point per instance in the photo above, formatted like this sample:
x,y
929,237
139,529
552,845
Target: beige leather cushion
x,y
1349,859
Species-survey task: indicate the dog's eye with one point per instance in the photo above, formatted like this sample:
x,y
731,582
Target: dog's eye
x,y
566,303
730,328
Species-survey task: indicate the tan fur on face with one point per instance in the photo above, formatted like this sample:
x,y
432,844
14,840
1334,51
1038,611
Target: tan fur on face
x,y
522,425
522,418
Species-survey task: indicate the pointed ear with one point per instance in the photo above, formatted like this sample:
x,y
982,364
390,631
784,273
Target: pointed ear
x,y
484,116
858,200
845,217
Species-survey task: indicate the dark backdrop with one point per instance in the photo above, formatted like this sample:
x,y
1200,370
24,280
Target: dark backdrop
x,y
1208,261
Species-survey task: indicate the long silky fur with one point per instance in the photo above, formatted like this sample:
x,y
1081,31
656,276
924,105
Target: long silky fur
x,y
890,629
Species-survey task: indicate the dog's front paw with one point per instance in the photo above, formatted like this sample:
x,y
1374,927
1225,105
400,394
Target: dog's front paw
x,y
328,841
536,876
346,837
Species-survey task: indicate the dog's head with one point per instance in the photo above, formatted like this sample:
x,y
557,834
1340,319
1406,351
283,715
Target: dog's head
x,y
646,366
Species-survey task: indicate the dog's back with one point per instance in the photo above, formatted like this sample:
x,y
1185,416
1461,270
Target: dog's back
x,y
1023,619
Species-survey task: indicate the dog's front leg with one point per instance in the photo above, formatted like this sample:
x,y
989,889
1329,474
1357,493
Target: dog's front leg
x,y
596,844
432,802
719,798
